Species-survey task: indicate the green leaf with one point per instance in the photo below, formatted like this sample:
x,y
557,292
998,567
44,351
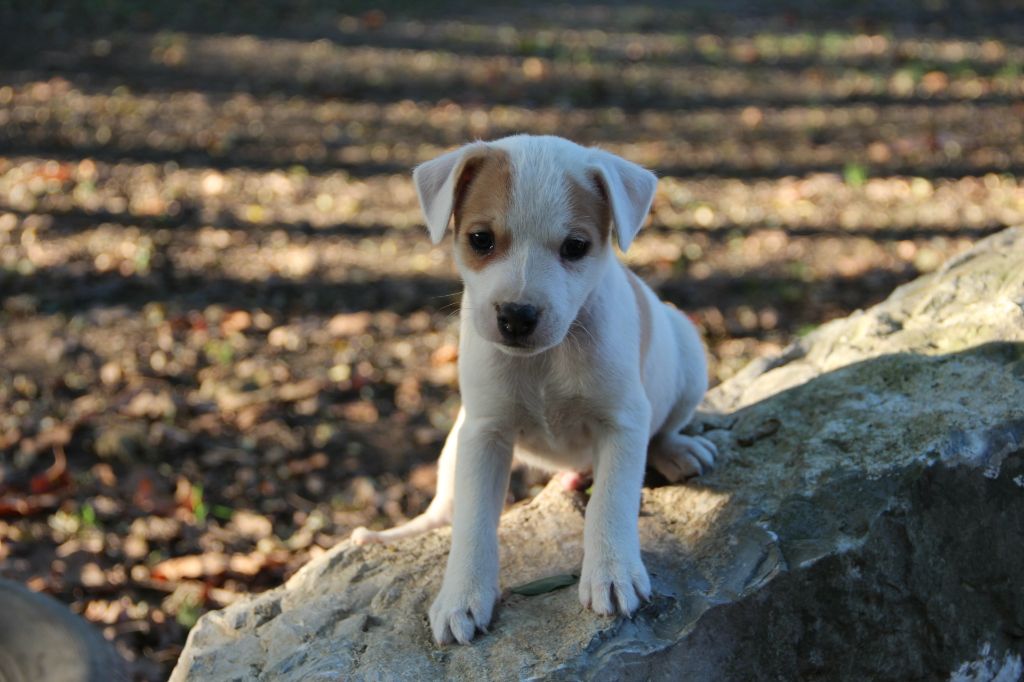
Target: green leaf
x,y
223,512
855,175
88,516
544,585
198,505
187,616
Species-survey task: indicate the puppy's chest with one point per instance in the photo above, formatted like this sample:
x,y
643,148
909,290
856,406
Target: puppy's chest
x,y
561,422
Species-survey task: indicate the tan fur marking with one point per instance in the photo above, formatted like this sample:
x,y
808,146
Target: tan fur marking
x,y
482,199
589,210
643,305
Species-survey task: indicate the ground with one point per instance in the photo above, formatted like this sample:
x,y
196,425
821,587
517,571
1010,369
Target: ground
x,y
225,338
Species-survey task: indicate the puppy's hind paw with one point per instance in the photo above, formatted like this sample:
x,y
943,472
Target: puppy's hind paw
x,y
678,457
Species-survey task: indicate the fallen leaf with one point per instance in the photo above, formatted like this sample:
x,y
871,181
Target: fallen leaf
x,y
54,477
26,505
252,525
299,390
349,324
191,566
444,355
236,321
143,495
211,564
360,412
545,585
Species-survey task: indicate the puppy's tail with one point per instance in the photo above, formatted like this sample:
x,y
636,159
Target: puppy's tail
x,y
427,521
438,513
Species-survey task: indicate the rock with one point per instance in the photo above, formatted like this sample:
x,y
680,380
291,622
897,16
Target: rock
x,y
865,522
40,639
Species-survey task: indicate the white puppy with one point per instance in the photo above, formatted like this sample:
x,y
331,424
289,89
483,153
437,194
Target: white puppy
x,y
566,360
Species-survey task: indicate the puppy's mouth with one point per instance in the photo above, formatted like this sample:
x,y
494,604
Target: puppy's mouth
x,y
519,349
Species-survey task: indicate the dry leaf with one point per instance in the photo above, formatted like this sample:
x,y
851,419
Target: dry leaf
x,y
544,585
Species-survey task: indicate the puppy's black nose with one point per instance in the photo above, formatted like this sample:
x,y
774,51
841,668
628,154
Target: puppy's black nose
x,y
516,322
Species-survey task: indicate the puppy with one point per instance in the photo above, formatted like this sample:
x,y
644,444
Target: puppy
x,y
567,360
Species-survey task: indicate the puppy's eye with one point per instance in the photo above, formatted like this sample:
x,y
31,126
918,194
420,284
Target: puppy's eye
x,y
482,241
574,248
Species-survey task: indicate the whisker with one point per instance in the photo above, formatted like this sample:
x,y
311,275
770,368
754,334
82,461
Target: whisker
x,y
573,338
455,312
452,295
580,325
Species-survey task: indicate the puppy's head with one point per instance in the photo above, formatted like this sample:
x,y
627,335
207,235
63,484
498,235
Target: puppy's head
x,y
534,218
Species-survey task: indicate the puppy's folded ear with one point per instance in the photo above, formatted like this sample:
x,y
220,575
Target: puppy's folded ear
x,y
629,189
438,182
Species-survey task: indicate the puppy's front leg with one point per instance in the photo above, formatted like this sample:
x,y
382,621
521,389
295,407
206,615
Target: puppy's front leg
x,y
613,576
470,587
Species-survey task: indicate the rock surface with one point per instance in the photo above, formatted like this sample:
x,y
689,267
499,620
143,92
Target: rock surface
x,y
865,523
40,639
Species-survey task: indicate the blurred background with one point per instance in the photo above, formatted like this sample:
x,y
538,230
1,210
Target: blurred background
x,y
225,339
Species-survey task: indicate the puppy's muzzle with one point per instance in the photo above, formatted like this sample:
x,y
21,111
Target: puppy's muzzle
x,y
516,322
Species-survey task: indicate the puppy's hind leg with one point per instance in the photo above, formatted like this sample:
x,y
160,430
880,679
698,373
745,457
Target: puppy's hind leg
x,y
438,513
674,455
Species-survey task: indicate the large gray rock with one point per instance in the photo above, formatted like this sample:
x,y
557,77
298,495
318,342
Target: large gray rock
x,y
40,639
866,522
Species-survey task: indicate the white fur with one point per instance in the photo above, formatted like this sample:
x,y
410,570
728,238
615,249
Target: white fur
x,y
577,399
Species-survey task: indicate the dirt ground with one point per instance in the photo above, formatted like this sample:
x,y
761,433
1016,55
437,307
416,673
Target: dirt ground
x,y
225,339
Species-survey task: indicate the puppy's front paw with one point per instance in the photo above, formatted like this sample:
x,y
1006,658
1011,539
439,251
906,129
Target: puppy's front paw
x,y
613,583
458,612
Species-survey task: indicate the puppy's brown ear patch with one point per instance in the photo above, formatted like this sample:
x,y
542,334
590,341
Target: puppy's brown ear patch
x,y
482,200
589,208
